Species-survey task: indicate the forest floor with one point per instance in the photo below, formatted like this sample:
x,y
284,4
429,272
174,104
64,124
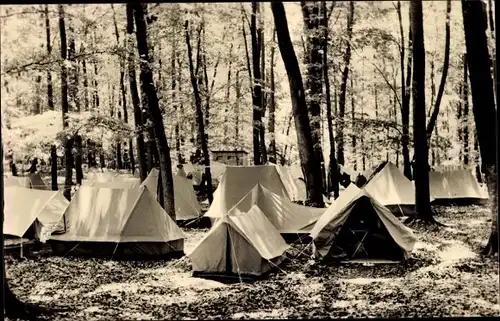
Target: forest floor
x,y
444,277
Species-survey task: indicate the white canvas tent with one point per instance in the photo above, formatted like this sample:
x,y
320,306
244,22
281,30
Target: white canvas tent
x,y
357,226
393,190
237,181
456,186
243,245
121,222
24,207
186,203
286,216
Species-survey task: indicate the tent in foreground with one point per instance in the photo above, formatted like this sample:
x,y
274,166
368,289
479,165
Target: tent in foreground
x,y
286,216
121,223
237,181
186,203
32,211
392,189
357,227
456,187
245,246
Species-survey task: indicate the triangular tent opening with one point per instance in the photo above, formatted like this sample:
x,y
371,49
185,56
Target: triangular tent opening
x,y
237,181
118,223
237,248
357,227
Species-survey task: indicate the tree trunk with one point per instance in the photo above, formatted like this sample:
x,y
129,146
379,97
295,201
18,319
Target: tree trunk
x,y
78,159
85,86
181,106
228,92
310,165
53,168
154,110
123,90
37,104
199,116
353,116
96,88
264,95
465,116
272,105
483,106
405,94
134,94
332,170
257,85
421,167
68,142
174,102
313,21
446,63
50,92
343,86
237,88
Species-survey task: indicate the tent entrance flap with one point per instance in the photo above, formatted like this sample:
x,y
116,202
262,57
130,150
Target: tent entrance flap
x,y
364,236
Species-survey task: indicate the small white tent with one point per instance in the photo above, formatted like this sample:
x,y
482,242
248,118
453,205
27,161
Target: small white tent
x,y
122,222
245,245
24,207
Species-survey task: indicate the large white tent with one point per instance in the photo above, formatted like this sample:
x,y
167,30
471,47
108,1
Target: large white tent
x,y
357,226
125,222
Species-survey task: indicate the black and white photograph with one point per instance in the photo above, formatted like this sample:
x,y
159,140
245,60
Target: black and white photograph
x,y
249,160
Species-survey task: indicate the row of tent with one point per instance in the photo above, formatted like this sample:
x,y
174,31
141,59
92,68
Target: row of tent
x,y
253,210
253,213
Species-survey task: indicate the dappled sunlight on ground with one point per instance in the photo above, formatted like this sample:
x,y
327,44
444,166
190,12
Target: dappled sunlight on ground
x,y
444,277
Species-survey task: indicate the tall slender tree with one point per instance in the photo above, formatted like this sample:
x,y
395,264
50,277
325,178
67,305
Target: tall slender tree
x,y
332,170
446,63
310,165
257,84
199,115
405,94
272,103
149,91
483,106
68,141
421,166
313,22
343,85
134,93
50,92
